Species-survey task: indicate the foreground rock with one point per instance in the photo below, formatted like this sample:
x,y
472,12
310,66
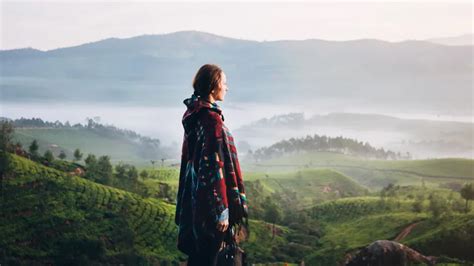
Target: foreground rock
x,y
386,252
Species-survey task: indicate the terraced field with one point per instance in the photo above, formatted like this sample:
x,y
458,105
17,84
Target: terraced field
x,y
50,216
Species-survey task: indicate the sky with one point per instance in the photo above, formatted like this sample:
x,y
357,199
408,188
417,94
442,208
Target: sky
x,y
49,25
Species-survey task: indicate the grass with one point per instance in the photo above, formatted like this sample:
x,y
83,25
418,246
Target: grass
x,y
375,174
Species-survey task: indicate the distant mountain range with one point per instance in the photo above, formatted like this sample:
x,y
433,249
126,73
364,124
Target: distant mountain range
x,y
158,70
465,39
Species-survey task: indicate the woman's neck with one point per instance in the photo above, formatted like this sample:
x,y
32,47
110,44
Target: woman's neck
x,y
209,99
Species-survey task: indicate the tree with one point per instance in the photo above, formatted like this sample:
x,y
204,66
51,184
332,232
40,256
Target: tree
x,y
418,203
104,170
121,170
467,193
6,132
91,167
438,205
132,173
33,149
48,156
272,214
77,155
143,174
62,155
126,172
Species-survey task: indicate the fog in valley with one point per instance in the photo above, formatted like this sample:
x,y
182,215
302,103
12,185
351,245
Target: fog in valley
x,y
257,125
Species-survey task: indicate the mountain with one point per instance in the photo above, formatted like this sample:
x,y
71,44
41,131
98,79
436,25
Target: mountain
x,y
466,39
158,70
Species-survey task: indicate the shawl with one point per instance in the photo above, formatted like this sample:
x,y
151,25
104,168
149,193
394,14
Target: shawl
x,y
211,187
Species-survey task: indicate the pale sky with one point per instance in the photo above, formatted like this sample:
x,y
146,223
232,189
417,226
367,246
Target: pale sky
x,y
49,25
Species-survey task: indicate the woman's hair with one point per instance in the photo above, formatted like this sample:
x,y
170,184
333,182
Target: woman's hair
x,y
206,79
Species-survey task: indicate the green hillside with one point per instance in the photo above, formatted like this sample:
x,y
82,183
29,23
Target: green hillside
x,y
51,217
302,188
351,223
451,236
376,174
48,216
118,147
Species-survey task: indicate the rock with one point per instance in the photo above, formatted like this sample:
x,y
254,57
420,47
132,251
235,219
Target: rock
x,y
386,252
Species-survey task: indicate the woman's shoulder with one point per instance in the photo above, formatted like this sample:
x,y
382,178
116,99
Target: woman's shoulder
x,y
210,116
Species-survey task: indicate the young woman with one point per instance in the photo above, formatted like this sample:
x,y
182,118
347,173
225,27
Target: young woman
x,y
211,195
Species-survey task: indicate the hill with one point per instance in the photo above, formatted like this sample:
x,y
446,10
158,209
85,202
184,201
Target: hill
x,y
375,174
50,217
352,223
301,188
423,138
120,144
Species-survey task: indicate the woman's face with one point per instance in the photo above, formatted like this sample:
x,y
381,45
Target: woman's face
x,y
219,93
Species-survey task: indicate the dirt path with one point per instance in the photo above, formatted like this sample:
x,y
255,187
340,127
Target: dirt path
x,y
405,232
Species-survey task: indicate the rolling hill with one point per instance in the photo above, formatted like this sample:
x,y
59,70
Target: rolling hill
x,y
50,217
128,148
374,174
351,223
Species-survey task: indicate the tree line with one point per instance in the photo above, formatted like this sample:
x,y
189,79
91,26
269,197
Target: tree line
x,y
95,168
323,143
107,130
147,147
438,204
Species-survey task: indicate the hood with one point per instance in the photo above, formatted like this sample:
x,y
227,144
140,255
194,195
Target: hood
x,y
194,105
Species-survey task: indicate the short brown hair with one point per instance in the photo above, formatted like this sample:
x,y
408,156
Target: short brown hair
x,y
206,79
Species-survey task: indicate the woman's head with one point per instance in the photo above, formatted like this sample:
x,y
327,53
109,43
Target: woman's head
x,y
210,83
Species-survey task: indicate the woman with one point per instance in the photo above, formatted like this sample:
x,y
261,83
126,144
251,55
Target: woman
x,y
211,195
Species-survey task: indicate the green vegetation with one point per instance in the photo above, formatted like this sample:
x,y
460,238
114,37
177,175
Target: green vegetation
x,y
467,192
6,131
315,207
297,190
324,143
79,221
451,235
351,223
95,138
375,174
48,216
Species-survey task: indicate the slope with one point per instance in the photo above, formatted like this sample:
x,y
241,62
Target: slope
x,y
48,216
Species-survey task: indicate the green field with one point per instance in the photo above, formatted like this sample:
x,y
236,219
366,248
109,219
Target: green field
x,y
375,174
119,148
